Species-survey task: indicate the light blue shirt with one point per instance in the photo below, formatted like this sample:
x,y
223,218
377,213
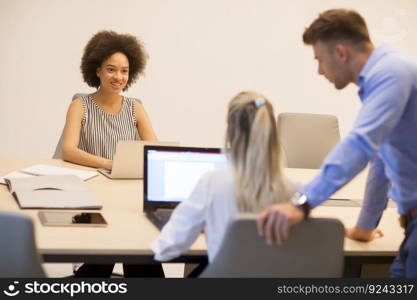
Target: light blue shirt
x,y
384,133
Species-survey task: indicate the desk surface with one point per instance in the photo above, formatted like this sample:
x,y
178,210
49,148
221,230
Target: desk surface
x,y
129,233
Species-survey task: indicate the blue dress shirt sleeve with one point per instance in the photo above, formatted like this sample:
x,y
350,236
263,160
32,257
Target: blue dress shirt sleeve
x,y
376,198
384,95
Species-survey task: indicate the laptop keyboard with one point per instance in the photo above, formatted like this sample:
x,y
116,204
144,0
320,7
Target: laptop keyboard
x,y
160,217
104,170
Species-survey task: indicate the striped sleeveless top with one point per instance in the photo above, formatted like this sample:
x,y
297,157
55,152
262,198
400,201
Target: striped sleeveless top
x,y
100,131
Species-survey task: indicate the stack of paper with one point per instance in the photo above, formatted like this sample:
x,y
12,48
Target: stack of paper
x,y
52,191
38,170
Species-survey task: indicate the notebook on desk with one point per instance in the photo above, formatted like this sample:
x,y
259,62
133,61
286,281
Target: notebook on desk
x,y
42,170
128,159
170,174
52,191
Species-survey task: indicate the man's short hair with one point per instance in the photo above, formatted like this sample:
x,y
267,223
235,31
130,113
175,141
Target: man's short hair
x,y
336,25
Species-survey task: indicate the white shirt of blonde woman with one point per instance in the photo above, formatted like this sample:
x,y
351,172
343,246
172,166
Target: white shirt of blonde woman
x,y
210,206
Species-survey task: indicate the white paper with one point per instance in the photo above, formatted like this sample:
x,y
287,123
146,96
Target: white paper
x,y
14,174
52,170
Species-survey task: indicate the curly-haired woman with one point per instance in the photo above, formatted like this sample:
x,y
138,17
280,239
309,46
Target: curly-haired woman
x,y
96,122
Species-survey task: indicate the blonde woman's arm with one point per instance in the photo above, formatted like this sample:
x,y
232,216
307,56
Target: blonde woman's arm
x,y
70,150
186,223
143,123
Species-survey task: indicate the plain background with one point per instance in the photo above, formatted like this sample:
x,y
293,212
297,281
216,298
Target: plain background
x,y
201,54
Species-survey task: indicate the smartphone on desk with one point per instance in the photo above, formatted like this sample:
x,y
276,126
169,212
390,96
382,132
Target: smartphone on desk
x,y
77,219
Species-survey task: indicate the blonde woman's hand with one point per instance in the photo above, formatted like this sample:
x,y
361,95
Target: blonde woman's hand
x,y
275,221
359,234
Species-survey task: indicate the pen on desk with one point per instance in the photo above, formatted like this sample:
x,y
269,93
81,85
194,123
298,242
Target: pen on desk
x,y
340,199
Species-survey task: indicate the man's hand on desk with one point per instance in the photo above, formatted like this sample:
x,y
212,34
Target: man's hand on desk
x,y
359,234
275,221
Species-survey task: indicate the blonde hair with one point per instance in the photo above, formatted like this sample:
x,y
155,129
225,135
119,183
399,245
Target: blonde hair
x,y
254,150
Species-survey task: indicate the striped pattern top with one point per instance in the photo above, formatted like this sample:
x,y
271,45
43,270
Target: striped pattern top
x,y
100,131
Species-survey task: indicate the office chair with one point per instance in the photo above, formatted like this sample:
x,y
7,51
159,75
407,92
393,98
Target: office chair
x,y
306,139
18,256
314,248
58,149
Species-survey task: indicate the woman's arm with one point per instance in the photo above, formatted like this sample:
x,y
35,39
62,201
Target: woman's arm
x,y
70,150
143,123
184,226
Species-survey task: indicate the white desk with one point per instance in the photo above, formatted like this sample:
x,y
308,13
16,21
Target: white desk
x,y
129,233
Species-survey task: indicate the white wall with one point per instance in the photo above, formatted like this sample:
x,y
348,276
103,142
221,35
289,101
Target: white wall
x,y
201,54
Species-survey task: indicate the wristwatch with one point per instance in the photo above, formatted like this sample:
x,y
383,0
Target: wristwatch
x,y
300,201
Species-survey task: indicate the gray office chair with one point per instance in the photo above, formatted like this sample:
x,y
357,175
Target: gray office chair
x,y
58,149
314,248
18,255
306,139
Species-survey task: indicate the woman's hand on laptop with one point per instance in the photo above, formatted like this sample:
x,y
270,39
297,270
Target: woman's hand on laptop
x,y
108,164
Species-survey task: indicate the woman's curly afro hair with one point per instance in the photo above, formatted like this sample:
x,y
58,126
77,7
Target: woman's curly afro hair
x,y
103,45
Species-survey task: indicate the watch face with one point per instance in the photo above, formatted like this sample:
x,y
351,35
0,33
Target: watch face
x,y
299,199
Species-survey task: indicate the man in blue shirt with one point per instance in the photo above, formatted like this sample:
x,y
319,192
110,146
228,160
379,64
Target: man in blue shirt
x,y
384,134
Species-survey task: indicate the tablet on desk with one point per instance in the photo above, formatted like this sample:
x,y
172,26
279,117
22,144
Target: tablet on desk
x,y
77,219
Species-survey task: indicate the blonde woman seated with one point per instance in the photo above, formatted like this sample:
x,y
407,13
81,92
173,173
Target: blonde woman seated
x,y
253,182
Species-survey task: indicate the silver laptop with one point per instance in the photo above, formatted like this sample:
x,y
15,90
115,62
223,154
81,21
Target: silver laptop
x,y
128,159
171,174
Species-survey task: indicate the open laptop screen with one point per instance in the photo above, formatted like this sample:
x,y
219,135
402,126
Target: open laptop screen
x,y
172,172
